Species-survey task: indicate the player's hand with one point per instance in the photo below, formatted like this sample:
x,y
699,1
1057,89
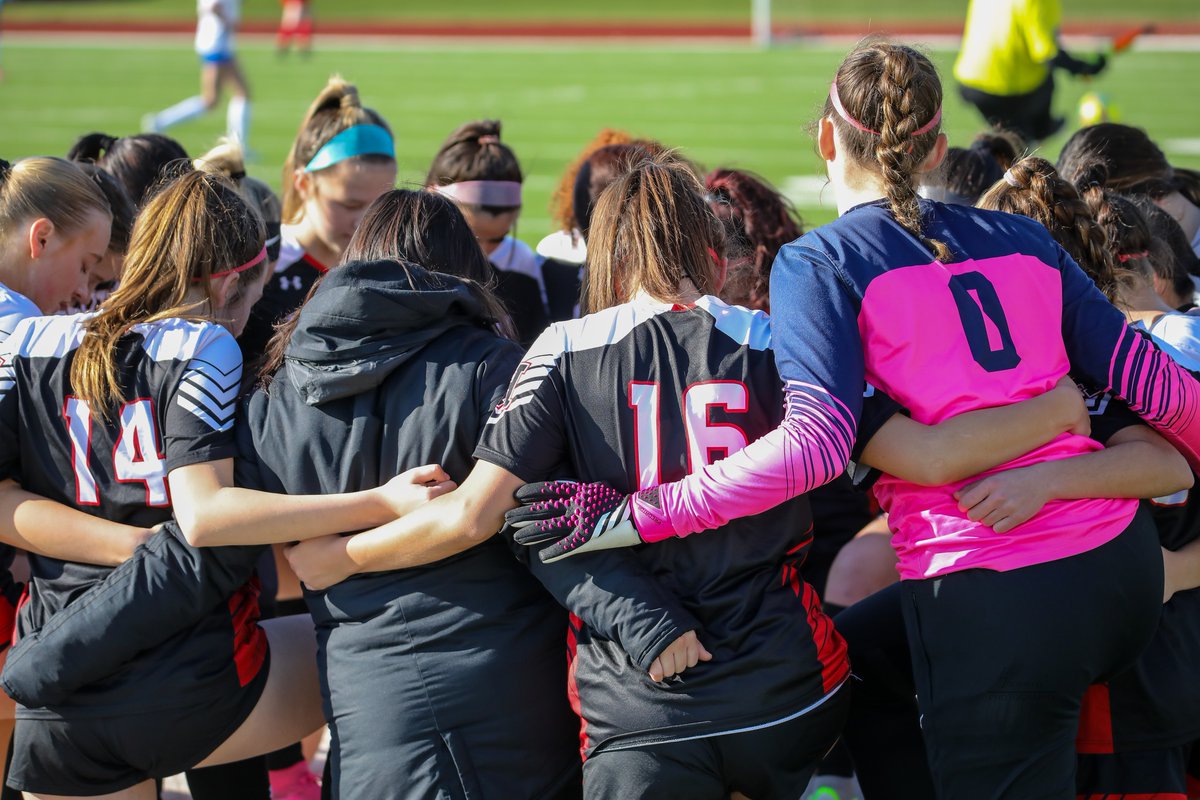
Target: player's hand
x,y
414,487
320,562
683,653
1004,500
573,517
1070,407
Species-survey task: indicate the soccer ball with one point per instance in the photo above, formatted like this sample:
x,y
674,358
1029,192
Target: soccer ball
x,y
1094,108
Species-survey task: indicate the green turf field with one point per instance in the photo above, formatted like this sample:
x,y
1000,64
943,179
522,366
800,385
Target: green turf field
x,y
541,10
722,106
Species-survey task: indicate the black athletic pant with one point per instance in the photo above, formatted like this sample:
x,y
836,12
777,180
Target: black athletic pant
x,y
1028,115
1001,661
883,731
773,763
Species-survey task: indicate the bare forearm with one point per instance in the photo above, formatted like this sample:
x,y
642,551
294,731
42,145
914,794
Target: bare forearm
x,y
31,522
439,529
1134,469
234,516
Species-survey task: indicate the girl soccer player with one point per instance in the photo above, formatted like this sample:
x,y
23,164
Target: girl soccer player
x,y
215,32
482,175
468,651
931,303
127,396
341,160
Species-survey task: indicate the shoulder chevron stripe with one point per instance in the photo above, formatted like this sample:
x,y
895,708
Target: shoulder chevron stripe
x,y
210,392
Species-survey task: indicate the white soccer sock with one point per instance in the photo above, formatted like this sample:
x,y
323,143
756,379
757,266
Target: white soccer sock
x,y
182,111
237,121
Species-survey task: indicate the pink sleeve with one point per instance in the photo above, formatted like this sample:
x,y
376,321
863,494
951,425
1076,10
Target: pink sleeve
x,y
1159,391
810,448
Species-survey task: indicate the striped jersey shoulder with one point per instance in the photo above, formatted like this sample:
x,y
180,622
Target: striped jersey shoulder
x,y
210,384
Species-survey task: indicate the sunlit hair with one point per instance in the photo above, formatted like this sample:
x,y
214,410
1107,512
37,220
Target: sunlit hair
x,y
562,201
1034,189
759,221
195,227
48,187
336,108
651,230
895,90
141,163
419,228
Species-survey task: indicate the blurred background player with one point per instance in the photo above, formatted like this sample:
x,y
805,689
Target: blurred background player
x,y
215,28
1005,67
296,25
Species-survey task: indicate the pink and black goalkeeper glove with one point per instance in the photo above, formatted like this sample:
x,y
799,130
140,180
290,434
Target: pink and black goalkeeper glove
x,y
573,517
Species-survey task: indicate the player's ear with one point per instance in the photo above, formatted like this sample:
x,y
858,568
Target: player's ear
x,y
222,290
302,182
826,142
936,156
40,232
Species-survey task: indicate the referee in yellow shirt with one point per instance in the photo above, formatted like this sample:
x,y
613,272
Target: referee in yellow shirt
x,y
1010,49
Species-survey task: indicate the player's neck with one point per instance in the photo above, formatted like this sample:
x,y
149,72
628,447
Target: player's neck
x,y
307,238
14,272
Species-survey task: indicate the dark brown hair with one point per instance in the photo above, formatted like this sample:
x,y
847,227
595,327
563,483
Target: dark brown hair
x,y
759,221
1125,158
142,163
474,152
969,172
602,168
1171,254
419,228
1034,189
123,212
336,108
895,90
651,229
196,226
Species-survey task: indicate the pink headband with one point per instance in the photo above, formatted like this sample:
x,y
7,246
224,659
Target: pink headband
x,y
1131,256
258,259
844,114
483,193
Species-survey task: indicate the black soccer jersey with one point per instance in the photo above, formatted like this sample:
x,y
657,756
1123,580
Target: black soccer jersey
x,y
295,273
180,384
634,396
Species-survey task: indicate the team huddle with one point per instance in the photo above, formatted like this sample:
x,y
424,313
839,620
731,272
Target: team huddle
x,y
583,521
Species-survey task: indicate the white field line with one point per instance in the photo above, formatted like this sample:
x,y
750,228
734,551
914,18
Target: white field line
x,y
1182,147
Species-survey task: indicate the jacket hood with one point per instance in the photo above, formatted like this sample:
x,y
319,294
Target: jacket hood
x,y
368,318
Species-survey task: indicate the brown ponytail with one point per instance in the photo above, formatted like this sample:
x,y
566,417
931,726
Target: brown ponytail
x,y
1033,188
195,227
336,108
893,91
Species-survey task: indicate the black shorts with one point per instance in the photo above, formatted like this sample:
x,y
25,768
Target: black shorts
x,y
1160,774
772,763
99,755
1026,114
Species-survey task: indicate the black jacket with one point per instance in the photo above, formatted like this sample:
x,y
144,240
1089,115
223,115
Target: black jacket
x,y
465,658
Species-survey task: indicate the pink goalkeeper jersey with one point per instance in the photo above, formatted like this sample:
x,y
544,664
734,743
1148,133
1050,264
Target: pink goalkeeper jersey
x,y
859,299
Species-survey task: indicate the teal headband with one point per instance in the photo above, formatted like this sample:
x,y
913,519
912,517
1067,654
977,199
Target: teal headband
x,y
359,140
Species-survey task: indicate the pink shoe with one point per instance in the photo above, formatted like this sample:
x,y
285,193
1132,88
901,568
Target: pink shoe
x,y
295,783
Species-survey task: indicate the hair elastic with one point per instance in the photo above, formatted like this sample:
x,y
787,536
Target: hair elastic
x,y
258,259
357,140
1011,179
1131,256
844,114
483,193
